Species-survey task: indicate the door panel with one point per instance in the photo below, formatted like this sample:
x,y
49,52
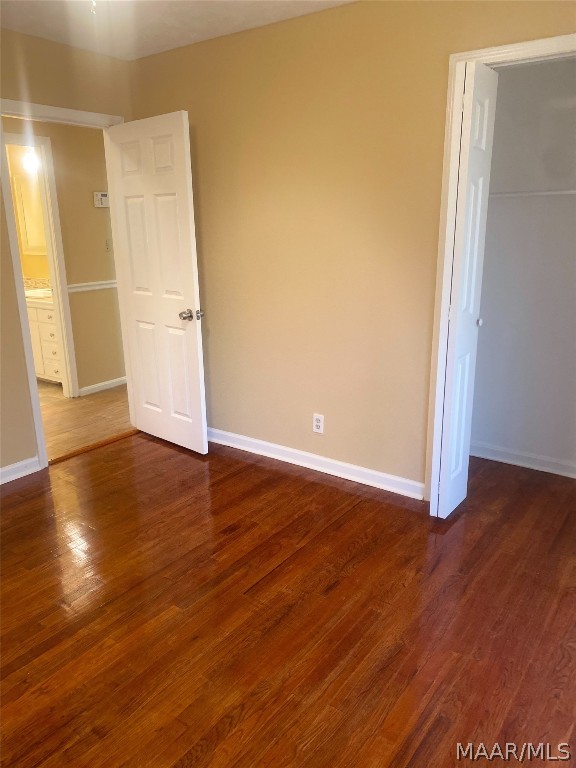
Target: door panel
x,y
149,174
461,393
138,244
472,207
180,390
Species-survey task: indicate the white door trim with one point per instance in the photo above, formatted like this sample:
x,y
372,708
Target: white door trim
x,y
22,109
47,114
535,50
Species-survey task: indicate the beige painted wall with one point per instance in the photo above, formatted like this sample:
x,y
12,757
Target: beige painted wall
x,y
44,72
17,438
97,337
80,170
317,151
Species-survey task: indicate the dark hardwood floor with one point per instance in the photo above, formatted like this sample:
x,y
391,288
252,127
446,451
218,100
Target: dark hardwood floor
x,y
164,609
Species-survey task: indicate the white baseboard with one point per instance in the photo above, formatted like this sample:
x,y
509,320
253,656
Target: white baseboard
x,y
101,386
20,469
527,460
362,475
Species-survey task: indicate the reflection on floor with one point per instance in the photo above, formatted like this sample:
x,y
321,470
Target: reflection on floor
x,y
71,423
161,608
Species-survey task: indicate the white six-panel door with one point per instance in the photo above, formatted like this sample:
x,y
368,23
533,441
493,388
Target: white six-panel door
x,y
151,206
464,324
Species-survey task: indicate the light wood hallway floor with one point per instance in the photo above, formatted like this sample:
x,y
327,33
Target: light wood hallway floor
x,y
73,423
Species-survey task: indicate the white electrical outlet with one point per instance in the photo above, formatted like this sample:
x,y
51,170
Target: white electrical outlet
x,y
318,423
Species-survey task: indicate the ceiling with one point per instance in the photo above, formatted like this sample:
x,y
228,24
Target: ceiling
x,y
130,29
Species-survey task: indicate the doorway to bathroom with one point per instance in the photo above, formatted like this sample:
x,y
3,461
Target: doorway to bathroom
x,y
64,242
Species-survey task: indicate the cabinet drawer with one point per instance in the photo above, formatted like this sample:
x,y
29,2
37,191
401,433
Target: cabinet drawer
x,y
48,332
32,314
52,370
46,315
50,351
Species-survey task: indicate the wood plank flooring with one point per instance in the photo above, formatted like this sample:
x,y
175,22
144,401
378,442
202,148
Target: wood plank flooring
x,y
72,423
164,609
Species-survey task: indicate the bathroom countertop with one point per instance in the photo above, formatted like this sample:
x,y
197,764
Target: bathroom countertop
x,y
39,294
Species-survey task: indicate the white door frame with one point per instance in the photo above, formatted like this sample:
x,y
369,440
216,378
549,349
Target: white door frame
x,y
560,47
47,114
